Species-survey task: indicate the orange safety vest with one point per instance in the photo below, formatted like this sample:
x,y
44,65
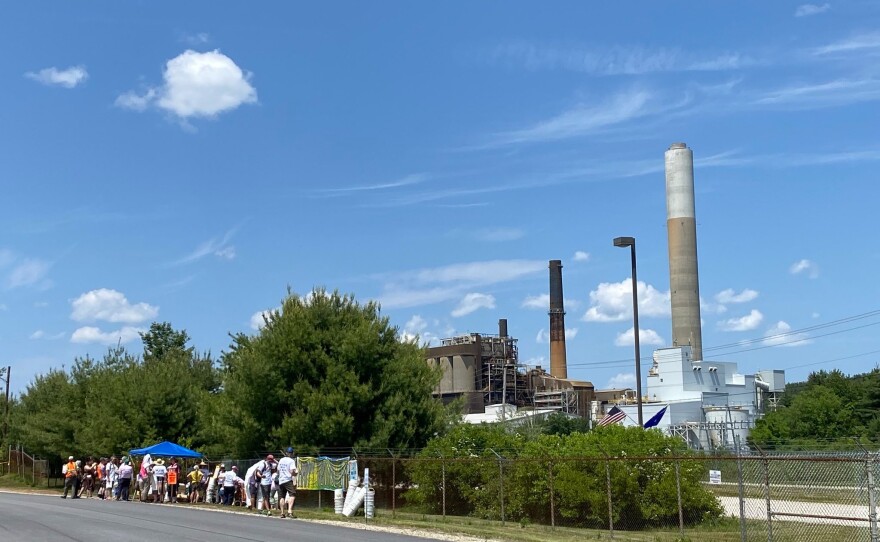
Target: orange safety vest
x,y
71,469
172,475
100,471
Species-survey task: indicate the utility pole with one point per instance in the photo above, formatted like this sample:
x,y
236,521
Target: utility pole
x,y
6,415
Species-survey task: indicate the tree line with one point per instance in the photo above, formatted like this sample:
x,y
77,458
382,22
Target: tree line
x,y
323,372
829,409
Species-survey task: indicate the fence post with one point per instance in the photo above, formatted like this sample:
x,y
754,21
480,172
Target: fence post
x,y
766,461
393,484
501,481
678,495
610,508
443,471
742,498
872,498
552,497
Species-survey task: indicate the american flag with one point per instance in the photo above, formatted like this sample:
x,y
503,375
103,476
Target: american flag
x,y
614,415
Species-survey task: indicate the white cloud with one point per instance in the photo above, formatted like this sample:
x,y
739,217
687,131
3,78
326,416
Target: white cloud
x,y
38,334
196,39
805,10
495,235
805,266
612,302
730,296
134,101
434,285
621,381
415,178
215,246
584,119
68,78
90,334
616,61
542,302
646,337
473,302
780,335
544,336
30,272
581,256
745,323
858,42
824,94
196,85
257,318
110,306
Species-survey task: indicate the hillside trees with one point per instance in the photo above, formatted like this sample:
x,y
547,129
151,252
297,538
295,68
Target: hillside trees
x,y
325,372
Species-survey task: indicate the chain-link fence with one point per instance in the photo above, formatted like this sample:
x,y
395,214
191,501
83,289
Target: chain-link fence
x,y
721,497
25,467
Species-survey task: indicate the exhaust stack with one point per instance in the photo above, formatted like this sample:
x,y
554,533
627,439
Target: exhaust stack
x,y
558,366
681,226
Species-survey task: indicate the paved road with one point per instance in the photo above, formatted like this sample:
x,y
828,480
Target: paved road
x,y
25,518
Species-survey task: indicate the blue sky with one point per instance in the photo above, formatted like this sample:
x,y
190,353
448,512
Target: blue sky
x,y
188,162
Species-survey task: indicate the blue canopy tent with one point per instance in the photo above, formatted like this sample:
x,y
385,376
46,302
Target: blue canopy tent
x,y
166,449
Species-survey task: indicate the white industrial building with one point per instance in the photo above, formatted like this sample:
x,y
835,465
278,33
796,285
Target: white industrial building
x,y
710,403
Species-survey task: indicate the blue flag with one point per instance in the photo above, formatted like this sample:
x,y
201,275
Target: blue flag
x,y
655,419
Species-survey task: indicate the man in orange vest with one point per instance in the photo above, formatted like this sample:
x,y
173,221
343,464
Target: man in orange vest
x,y
71,477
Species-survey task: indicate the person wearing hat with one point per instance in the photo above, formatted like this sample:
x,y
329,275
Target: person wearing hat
x,y
160,472
264,476
173,475
287,482
125,474
70,477
195,480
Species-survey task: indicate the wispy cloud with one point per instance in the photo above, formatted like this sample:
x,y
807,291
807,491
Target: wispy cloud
x,y
584,119
781,335
542,302
581,256
216,246
805,10
67,78
473,302
825,94
621,381
496,235
859,42
91,334
409,180
615,61
29,272
543,336
807,267
439,284
199,38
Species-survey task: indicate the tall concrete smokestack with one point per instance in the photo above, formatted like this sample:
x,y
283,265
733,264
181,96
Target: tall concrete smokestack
x,y
558,366
681,225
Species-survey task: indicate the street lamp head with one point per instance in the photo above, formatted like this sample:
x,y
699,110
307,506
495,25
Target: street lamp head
x,y
624,241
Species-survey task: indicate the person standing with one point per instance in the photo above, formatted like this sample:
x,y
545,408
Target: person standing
x,y
159,474
70,474
145,477
264,476
195,481
173,473
251,487
88,478
287,474
110,471
231,482
125,474
100,472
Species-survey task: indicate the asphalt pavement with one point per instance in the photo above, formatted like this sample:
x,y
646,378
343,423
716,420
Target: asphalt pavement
x,y
47,518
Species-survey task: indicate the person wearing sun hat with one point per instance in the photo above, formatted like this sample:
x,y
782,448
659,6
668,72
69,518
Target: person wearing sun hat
x,y
160,472
194,479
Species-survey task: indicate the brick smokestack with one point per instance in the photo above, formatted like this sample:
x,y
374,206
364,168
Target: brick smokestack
x,y
558,366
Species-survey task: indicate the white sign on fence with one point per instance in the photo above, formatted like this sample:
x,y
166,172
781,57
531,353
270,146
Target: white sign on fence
x,y
714,476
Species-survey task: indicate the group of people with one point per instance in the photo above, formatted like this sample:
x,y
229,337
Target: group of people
x,y
158,482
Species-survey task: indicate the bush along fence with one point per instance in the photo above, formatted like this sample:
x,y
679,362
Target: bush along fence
x,y
676,497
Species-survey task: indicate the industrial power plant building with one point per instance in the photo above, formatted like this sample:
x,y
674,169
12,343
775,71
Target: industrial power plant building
x,y
709,404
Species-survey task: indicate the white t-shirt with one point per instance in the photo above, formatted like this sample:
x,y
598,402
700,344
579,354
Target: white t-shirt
x,y
230,479
286,470
160,471
265,469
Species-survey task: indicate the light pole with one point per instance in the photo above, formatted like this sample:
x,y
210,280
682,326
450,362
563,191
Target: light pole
x,y
631,243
